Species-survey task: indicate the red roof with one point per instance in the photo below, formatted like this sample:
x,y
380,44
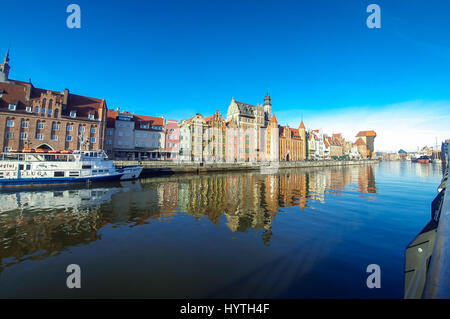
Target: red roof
x,y
16,93
360,141
274,119
209,118
366,133
302,125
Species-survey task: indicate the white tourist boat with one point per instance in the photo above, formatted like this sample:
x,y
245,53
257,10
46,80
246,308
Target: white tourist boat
x,y
39,167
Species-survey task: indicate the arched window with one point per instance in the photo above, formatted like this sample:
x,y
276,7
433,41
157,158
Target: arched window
x,y
50,102
56,113
44,101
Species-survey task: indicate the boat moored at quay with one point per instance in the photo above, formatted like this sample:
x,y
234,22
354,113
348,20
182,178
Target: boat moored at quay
x,y
37,167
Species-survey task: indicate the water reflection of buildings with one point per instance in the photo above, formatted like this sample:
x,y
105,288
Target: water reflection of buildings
x,y
39,224
251,201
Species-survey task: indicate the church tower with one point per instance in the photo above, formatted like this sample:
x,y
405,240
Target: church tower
x,y
267,107
4,68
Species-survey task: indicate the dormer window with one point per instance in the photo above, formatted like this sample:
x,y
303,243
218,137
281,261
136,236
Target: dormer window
x,y
12,107
145,126
28,109
91,116
73,114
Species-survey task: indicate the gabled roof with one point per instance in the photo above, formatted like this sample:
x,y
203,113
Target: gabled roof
x,y
302,125
360,141
273,119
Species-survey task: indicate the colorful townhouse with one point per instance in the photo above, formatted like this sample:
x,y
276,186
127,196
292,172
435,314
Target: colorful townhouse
x,y
135,137
215,138
172,142
185,141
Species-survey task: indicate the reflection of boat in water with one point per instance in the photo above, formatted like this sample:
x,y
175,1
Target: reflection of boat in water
x,y
424,159
36,167
67,198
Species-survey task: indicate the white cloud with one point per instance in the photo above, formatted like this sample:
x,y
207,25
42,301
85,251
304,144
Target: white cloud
x,y
406,125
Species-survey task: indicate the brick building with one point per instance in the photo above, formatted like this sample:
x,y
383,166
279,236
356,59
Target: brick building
x,y
368,137
31,117
292,143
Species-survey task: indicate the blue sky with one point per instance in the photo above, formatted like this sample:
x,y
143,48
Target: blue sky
x,y
317,58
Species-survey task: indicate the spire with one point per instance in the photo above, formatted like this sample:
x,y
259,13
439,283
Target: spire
x,y
4,68
6,59
302,125
274,119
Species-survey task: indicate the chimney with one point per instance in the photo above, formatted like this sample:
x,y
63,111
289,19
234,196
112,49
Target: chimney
x,y
27,91
66,97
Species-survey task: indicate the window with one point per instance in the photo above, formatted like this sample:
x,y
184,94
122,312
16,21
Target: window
x,y
120,133
119,142
39,136
69,128
110,132
58,174
7,149
138,134
55,127
69,138
109,142
23,136
93,139
43,111
36,110
40,126
91,116
93,130
28,109
126,133
24,124
74,174
54,137
9,123
86,167
9,135
82,129
49,111
12,107
73,114
145,126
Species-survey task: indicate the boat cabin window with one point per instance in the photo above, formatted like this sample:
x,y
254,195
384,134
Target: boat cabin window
x,y
59,174
86,166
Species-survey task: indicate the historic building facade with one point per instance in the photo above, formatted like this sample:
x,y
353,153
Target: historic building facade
x,y
215,138
31,117
185,141
172,140
292,143
247,132
368,137
135,137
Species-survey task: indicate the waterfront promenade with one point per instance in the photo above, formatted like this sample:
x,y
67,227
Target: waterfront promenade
x,y
165,167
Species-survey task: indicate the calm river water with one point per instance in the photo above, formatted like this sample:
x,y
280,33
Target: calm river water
x,y
292,234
